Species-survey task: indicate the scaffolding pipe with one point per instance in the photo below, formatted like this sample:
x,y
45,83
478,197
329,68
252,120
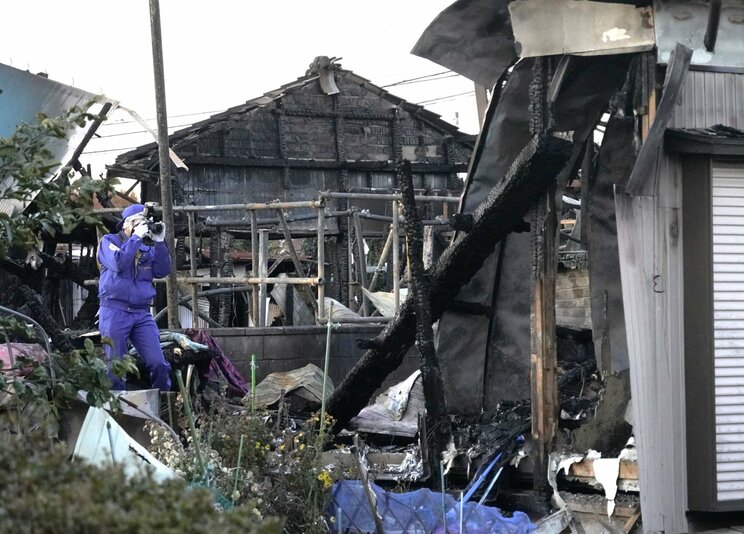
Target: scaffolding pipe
x,y
321,263
246,281
251,206
386,196
362,264
192,268
396,257
308,296
254,265
263,266
383,258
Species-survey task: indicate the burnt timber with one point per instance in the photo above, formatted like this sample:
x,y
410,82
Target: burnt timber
x,y
532,173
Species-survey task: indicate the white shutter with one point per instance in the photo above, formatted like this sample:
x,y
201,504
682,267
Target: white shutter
x,y
728,323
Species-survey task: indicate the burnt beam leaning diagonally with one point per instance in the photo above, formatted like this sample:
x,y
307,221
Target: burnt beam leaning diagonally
x,y
531,174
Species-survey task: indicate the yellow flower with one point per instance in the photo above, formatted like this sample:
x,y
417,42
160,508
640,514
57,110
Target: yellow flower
x,y
325,478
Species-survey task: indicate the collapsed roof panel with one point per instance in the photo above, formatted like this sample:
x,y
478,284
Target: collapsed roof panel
x,y
551,27
23,95
471,37
714,35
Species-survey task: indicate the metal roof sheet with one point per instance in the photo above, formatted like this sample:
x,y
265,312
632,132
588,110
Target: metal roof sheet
x,y
23,95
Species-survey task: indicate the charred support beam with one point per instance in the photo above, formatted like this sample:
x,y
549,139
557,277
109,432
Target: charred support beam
x,y
431,376
679,63
226,270
543,358
461,222
711,31
531,175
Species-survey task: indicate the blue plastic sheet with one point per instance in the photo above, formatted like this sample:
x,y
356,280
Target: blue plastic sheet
x,y
418,511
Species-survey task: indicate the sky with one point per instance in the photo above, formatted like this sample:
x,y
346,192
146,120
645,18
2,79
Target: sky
x,y
220,53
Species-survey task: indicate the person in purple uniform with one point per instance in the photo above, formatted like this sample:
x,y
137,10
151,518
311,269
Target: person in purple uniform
x,y
129,260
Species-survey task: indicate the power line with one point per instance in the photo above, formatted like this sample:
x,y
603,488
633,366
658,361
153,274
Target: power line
x,y
138,131
433,100
117,123
419,79
88,152
426,78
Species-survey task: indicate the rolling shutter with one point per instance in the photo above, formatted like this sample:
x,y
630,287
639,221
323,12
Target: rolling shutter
x,y
727,182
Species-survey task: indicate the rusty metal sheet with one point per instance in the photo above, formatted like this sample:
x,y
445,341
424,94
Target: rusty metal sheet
x,y
581,27
471,37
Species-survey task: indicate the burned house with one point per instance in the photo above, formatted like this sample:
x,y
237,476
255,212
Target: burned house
x,y
647,96
330,131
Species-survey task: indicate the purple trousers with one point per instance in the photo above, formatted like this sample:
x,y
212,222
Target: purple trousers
x,y
139,327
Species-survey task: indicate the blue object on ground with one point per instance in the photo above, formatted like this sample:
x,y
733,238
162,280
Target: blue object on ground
x,y
418,512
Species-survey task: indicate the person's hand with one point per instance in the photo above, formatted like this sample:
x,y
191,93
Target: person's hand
x,y
141,230
159,237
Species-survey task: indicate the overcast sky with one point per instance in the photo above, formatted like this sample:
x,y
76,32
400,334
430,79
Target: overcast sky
x,y
220,53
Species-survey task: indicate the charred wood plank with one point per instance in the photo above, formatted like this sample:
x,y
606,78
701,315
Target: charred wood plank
x,y
431,375
679,63
530,176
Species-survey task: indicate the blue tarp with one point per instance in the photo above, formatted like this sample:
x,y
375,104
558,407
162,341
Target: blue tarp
x,y
417,512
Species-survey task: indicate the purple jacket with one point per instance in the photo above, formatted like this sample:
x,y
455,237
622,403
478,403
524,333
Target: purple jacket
x,y
128,267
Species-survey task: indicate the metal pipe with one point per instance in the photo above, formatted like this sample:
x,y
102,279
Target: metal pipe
x,y
263,266
362,264
293,254
401,219
227,207
381,261
325,368
386,196
166,195
192,269
396,257
350,320
321,262
254,265
44,336
310,281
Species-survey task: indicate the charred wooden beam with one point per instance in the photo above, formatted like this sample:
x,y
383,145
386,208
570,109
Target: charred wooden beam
x,y
711,30
530,176
679,63
461,222
431,375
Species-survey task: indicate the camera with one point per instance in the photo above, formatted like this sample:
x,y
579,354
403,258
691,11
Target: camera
x,y
155,227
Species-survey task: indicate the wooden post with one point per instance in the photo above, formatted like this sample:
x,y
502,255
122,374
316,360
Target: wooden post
x,y
263,262
166,193
543,334
431,376
254,267
193,270
481,102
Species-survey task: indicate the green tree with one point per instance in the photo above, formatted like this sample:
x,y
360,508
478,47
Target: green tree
x,y
47,203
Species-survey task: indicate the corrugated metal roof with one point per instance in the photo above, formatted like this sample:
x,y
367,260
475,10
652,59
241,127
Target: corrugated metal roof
x,y
710,98
23,95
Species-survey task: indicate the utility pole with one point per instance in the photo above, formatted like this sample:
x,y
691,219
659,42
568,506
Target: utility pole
x,y
166,194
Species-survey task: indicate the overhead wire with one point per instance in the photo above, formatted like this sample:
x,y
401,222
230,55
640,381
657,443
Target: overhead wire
x,y
419,79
